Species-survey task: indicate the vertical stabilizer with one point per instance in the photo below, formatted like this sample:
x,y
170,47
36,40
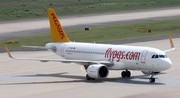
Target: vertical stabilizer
x,y
57,31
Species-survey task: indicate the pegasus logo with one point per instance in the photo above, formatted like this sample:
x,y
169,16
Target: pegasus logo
x,y
56,22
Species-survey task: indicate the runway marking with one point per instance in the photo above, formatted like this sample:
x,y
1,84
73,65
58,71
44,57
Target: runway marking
x,y
24,70
7,69
82,69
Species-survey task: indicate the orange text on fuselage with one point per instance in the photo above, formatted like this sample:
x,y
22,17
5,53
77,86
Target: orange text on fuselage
x,y
118,55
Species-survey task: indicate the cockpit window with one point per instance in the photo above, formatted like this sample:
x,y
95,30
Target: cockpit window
x,y
159,56
153,56
166,56
156,56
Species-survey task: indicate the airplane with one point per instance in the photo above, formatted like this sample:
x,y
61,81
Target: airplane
x,y
98,59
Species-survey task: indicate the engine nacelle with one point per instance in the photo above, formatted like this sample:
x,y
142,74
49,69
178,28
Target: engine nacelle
x,y
97,71
149,72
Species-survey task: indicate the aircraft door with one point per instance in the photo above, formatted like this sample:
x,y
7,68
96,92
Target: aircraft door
x,y
143,56
62,50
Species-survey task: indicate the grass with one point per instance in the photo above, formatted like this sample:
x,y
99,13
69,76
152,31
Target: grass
x,y
110,33
25,9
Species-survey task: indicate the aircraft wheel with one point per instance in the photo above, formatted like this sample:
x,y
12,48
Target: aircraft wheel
x,y
128,74
123,74
92,78
87,77
152,80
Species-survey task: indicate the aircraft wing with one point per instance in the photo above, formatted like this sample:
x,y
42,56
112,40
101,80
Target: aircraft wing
x,y
108,63
172,45
171,49
39,47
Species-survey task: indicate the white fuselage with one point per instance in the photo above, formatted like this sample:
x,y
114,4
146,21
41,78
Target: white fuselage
x,y
123,57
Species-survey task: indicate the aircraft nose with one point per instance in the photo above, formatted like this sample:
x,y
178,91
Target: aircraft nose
x,y
167,64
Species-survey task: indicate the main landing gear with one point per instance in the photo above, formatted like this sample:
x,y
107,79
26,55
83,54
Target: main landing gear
x,y
125,74
151,79
89,78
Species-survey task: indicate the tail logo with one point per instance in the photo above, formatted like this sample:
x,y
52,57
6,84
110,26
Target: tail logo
x,y
56,22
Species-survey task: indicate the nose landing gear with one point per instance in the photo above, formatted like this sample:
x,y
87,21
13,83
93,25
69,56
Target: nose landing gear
x,y
151,79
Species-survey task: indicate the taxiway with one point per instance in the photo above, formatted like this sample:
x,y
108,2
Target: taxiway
x,y
33,79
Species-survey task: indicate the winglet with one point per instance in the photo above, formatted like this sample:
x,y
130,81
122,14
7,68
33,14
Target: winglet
x,y
57,31
172,45
171,42
7,50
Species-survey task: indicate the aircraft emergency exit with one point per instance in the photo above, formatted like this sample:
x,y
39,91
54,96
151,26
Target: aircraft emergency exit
x,y
98,59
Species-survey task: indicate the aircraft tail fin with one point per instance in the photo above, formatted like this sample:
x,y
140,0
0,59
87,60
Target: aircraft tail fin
x,y
57,31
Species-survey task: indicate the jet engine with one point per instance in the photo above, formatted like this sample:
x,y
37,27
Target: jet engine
x,y
149,72
97,71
